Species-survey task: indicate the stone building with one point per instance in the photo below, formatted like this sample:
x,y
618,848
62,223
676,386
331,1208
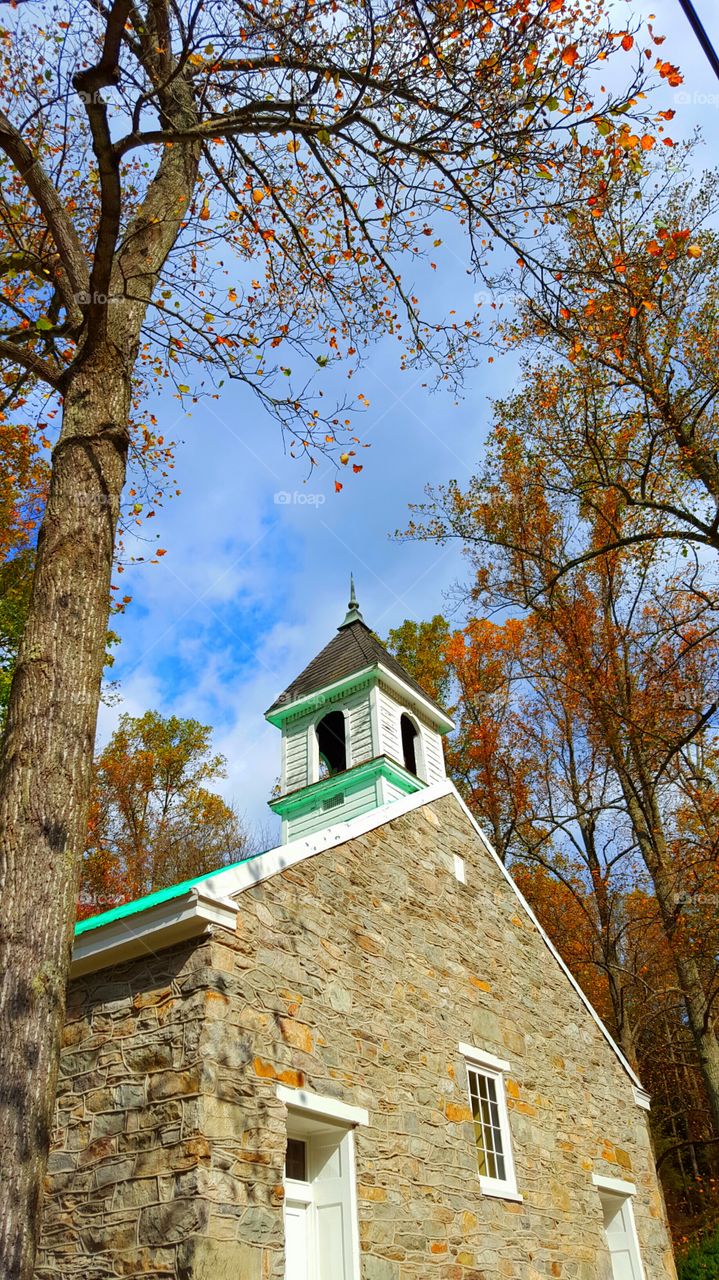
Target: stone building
x,y
353,1057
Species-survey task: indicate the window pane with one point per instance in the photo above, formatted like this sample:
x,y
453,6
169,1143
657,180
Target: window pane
x,y
296,1160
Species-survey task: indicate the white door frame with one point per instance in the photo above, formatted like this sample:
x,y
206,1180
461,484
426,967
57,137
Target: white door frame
x,y
311,1114
616,1194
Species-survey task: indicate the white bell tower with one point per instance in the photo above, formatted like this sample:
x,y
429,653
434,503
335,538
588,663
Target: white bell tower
x,y
357,732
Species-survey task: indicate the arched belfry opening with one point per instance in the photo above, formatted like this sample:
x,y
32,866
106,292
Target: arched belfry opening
x,y
410,744
332,744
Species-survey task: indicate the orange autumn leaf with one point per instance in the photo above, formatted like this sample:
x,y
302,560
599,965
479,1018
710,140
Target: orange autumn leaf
x,y
570,55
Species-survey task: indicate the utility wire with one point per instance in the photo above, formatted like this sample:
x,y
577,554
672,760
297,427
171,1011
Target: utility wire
x,y
696,25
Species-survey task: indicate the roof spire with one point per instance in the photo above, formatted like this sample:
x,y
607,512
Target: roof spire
x,y
353,612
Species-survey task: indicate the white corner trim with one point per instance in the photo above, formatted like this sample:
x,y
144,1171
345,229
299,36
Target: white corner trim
x,y
147,932
214,909
483,1059
641,1097
525,905
617,1186
319,1105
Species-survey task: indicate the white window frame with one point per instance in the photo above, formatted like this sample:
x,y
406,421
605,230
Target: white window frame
x,y
487,1064
620,1192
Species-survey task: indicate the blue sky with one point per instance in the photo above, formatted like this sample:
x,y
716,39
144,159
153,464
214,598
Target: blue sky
x,y
256,575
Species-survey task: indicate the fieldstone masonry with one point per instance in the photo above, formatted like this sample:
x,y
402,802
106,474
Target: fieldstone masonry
x,y
356,973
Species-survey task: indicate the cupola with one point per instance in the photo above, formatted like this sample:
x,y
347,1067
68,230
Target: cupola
x,y
358,732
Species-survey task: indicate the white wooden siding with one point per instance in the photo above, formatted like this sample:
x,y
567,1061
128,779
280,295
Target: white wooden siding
x,y
296,764
360,730
433,754
356,803
392,792
390,743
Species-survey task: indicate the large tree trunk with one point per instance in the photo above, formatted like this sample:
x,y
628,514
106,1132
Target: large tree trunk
x,y
45,775
692,988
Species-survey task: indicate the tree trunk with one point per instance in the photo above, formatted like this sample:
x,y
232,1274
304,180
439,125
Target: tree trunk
x,y
694,995
652,845
45,775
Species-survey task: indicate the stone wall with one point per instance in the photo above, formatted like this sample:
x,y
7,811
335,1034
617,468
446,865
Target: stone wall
x,y
355,973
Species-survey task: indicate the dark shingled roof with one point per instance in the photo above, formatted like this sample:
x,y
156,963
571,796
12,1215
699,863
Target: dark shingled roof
x,y
352,649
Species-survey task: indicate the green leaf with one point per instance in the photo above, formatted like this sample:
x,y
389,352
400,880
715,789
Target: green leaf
x,y
43,324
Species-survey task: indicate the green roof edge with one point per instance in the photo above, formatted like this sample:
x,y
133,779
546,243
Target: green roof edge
x,y
152,899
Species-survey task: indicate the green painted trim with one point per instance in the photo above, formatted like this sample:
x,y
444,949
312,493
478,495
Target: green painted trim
x,y
349,780
151,899
315,701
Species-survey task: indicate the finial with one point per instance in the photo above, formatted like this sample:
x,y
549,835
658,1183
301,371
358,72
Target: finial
x,y
353,611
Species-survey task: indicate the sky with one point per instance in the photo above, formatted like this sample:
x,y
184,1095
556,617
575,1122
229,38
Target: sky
x,y
256,575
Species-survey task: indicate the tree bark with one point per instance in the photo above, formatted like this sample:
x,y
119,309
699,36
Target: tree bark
x,y
646,819
45,775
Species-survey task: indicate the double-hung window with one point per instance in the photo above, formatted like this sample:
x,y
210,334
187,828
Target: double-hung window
x,y
488,1103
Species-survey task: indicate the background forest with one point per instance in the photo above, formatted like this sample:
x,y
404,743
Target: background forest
x,y
205,202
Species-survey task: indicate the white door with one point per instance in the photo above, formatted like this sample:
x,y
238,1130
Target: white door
x,y
621,1237
331,1187
319,1206
298,1228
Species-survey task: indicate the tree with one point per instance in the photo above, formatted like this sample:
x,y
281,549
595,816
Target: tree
x,y
624,376
421,647
141,146
153,820
637,650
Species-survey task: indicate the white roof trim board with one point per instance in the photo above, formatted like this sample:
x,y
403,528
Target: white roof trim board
x,y
212,902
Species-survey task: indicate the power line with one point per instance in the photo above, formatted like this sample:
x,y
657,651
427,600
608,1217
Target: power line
x,y
696,25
